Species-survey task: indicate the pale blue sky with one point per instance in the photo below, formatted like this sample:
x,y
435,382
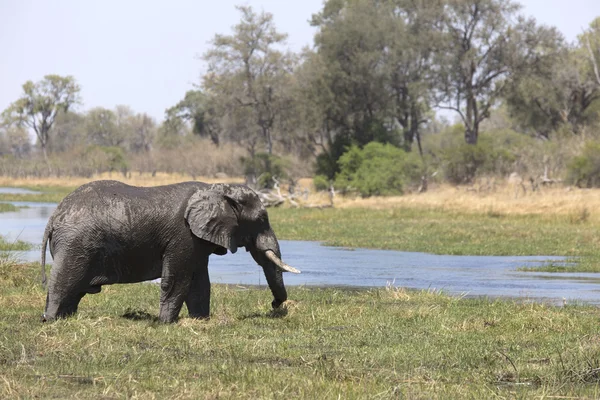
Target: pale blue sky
x,y
143,53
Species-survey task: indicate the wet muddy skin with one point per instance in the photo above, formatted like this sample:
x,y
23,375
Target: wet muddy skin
x,y
331,266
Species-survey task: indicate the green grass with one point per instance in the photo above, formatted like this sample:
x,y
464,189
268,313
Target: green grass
x,y
552,267
17,245
330,343
7,207
48,194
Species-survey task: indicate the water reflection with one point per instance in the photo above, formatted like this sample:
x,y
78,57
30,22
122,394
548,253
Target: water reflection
x,y
321,266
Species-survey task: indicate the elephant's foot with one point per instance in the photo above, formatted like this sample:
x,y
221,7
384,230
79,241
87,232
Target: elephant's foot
x,y
200,316
198,304
169,312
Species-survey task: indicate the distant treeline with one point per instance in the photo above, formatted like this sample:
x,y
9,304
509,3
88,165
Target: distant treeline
x,y
357,109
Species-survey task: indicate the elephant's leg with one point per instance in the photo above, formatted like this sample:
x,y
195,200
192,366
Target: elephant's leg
x,y
198,297
174,287
65,290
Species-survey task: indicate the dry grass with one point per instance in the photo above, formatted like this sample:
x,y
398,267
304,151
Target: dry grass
x,y
580,203
498,199
137,179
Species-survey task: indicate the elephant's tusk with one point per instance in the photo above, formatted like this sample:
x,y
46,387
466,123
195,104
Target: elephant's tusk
x,y
280,264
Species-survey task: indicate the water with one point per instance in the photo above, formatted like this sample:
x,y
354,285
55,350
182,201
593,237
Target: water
x,y
330,266
9,190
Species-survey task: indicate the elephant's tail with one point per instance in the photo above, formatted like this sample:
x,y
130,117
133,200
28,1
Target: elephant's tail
x,y
47,236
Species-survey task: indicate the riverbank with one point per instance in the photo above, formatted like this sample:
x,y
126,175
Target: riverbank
x,y
396,343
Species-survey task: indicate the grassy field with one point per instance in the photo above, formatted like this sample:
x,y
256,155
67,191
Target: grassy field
x,y
325,344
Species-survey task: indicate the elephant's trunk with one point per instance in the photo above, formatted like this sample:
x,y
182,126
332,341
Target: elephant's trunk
x,y
267,254
275,280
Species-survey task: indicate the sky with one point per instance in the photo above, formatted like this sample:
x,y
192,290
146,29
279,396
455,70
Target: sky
x,y
145,53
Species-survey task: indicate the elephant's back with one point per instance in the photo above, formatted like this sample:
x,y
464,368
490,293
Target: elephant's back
x,y
105,191
110,203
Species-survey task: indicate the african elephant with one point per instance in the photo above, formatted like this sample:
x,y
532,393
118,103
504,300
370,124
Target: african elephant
x,y
108,232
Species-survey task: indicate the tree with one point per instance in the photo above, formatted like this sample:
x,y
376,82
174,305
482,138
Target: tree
x,y
143,132
195,108
482,48
414,39
248,75
15,141
350,46
102,129
590,41
370,76
560,88
41,103
68,132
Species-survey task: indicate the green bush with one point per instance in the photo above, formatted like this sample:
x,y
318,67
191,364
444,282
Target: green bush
x,y
107,159
265,167
463,162
378,170
584,170
321,183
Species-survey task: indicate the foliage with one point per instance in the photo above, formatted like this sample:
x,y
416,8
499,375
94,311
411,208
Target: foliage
x,y
40,104
69,132
14,141
584,169
369,78
249,77
264,168
378,170
120,128
559,89
107,158
486,45
463,162
321,183
196,109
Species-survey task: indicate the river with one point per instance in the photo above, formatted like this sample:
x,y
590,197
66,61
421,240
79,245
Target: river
x,y
331,266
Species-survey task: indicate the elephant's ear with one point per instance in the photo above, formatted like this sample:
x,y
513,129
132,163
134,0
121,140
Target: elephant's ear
x,y
212,218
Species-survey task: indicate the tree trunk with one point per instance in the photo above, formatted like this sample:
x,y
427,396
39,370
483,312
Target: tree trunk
x,y
45,153
471,135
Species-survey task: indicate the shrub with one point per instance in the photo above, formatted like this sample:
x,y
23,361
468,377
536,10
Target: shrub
x,y
264,168
107,159
378,170
321,183
463,162
584,170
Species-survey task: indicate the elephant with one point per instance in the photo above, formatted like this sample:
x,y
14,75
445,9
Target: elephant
x,y
108,232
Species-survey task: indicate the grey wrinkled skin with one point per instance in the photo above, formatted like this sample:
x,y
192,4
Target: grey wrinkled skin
x,y
107,232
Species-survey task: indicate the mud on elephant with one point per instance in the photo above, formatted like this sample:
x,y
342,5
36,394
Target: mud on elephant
x,y
107,232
